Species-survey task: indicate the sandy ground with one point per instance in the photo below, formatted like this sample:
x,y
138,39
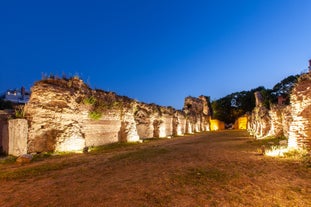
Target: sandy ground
x,y
211,169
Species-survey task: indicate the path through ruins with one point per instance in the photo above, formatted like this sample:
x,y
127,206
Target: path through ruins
x,y
210,169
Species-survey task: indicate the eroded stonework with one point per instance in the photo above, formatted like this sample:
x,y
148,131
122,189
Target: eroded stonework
x,y
300,127
67,115
292,121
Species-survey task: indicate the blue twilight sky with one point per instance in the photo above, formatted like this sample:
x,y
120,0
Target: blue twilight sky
x,y
156,50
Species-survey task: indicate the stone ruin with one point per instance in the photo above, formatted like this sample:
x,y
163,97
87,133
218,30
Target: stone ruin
x,y
67,115
292,121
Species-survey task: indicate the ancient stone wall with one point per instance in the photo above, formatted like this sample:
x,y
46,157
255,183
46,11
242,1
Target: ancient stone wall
x,y
300,127
66,115
197,113
14,137
292,121
3,121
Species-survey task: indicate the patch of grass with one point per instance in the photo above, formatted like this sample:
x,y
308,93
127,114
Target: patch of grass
x,y
296,154
141,155
153,139
94,115
89,100
157,199
112,146
201,176
41,156
268,141
8,160
32,171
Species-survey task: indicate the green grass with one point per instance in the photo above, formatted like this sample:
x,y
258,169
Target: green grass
x,y
140,155
8,160
201,176
269,141
94,115
32,171
112,146
89,101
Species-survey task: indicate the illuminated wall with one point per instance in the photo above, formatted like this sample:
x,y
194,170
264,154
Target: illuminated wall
x,y
59,113
217,125
241,123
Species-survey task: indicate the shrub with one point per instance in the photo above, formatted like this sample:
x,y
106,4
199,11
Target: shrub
x,y
94,115
90,100
19,112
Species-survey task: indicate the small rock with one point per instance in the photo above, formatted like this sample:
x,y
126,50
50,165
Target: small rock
x,y
85,149
25,158
283,142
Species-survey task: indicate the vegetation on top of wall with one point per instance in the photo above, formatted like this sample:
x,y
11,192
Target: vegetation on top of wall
x,y
89,100
19,111
95,115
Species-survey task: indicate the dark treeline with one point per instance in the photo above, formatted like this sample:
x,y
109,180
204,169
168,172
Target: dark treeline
x,y
234,105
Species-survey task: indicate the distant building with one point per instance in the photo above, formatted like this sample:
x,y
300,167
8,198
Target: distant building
x,y
17,96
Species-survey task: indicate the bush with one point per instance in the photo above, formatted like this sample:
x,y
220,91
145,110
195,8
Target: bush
x,y
90,100
94,115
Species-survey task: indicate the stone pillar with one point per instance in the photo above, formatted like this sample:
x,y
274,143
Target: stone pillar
x,y
14,138
259,99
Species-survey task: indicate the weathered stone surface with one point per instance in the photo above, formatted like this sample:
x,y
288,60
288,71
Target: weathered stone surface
x,y
56,115
197,114
259,123
4,116
179,123
300,127
292,121
14,137
259,98
66,115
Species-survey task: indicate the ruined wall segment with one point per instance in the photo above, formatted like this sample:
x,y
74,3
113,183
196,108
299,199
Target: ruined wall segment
x,y
66,115
14,137
300,127
55,115
198,114
264,122
292,121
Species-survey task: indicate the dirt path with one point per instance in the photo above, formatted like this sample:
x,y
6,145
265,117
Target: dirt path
x,y
212,169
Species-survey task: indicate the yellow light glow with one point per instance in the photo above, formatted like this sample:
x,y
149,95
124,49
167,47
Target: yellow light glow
x,y
279,152
242,123
179,131
74,143
162,131
217,125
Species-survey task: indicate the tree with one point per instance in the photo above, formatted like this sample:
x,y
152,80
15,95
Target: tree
x,y
5,104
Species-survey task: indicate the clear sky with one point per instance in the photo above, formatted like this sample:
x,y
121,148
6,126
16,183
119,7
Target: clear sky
x,y
156,51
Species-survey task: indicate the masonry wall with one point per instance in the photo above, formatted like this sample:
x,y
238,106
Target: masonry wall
x,y
14,139
300,127
61,117
292,121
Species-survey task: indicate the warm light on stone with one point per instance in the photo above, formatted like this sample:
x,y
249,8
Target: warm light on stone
x,y
74,143
162,131
241,123
277,152
217,125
